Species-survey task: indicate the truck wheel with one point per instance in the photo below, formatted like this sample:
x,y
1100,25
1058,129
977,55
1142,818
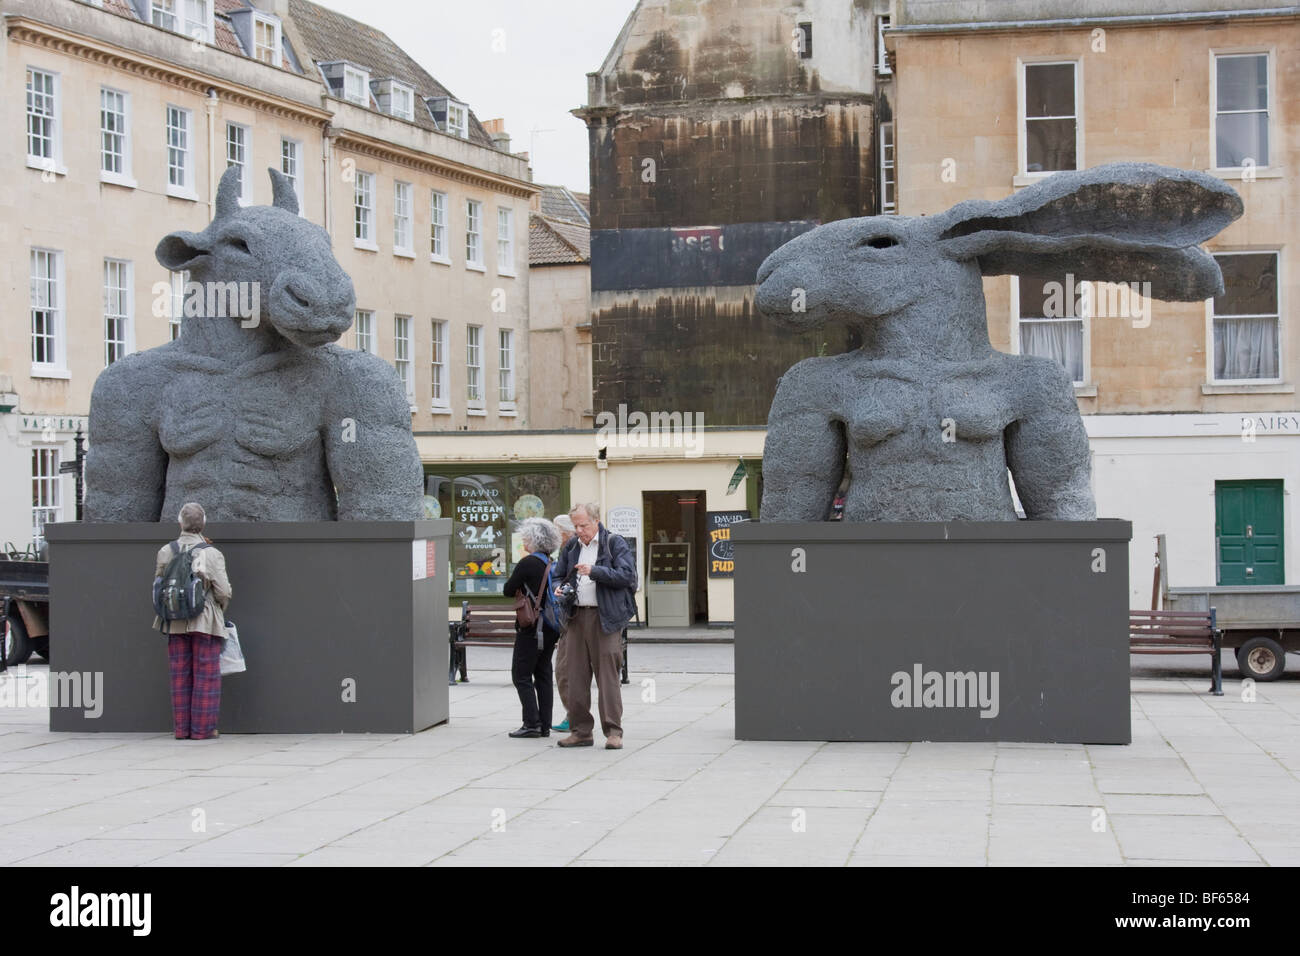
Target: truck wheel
x,y
1261,658
17,647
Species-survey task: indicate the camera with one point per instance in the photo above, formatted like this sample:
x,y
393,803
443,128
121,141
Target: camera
x,y
567,597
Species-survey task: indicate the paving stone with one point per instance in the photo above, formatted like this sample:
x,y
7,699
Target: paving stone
x,y
1208,781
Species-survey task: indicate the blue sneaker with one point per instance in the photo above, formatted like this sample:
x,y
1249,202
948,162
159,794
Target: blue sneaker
x,y
563,725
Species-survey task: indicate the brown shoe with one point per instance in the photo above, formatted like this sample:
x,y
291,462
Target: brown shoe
x,y
614,742
573,740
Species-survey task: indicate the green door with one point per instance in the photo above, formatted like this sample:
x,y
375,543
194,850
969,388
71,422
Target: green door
x,y
1248,529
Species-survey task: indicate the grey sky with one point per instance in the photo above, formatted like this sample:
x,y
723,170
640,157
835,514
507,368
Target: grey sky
x,y
549,47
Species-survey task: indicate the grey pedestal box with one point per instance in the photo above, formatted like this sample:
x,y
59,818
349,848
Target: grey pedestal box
x,y
325,611
912,630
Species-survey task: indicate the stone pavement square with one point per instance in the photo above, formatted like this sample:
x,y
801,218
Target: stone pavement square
x,y
1207,780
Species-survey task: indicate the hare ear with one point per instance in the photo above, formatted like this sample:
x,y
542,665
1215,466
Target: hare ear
x,y
1124,222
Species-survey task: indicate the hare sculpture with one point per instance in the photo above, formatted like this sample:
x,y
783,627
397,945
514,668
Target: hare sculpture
x,y
926,416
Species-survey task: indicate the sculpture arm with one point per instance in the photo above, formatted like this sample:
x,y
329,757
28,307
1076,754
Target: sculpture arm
x,y
126,466
1047,447
369,449
803,456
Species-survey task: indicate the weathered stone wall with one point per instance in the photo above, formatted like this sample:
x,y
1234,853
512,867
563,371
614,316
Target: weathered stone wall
x,y
738,161
695,350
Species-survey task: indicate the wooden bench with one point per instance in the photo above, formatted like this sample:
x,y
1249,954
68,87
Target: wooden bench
x,y
1179,632
490,625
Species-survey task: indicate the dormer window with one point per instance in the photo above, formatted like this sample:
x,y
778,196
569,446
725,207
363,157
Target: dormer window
x,y
452,116
191,18
266,40
396,98
356,86
457,119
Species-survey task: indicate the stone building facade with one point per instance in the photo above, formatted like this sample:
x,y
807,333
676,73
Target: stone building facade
x,y
124,115
1191,407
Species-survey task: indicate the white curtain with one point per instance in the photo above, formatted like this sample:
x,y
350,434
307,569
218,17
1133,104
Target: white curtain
x,y
1062,341
1245,348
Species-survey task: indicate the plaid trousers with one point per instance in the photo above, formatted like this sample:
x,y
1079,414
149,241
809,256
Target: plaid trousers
x,y
195,661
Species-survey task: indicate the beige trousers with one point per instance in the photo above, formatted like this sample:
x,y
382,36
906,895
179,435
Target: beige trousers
x,y
593,652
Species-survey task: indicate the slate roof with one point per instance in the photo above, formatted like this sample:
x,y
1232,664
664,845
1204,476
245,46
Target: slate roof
x,y
331,36
559,203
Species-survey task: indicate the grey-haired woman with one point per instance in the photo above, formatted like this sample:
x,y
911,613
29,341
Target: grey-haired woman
x,y
531,668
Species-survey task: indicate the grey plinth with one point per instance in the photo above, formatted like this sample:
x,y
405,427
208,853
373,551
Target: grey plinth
x,y
339,631
944,631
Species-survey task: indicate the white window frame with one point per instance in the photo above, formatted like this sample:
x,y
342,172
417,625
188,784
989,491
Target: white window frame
x,y
365,323
164,15
198,29
361,80
294,157
183,22
56,364
185,190
363,213
402,355
438,248
121,177
53,162
391,88
275,47
1080,161
245,164
1088,302
47,482
888,169
474,235
506,371
1281,325
177,309
506,242
403,220
119,303
460,129
439,392
1271,111
474,368
882,55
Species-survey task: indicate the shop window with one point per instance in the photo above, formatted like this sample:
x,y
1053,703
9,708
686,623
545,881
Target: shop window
x,y
486,510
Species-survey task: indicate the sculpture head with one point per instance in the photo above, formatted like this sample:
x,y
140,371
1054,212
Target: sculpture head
x,y
303,292
1124,222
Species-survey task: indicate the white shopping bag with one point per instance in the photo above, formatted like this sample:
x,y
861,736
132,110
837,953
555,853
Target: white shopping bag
x,y
232,655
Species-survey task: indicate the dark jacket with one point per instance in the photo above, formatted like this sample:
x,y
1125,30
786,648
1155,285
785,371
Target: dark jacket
x,y
530,572
614,573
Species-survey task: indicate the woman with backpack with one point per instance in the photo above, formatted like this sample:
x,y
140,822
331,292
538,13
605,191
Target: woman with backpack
x,y
536,626
191,591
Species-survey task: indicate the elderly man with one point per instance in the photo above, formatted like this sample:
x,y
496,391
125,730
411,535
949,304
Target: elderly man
x,y
606,583
565,527
194,646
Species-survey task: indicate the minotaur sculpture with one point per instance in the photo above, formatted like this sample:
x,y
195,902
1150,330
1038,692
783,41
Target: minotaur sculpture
x,y
254,413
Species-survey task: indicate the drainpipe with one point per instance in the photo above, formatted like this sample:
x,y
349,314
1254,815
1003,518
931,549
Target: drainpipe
x,y
327,164
602,467
214,176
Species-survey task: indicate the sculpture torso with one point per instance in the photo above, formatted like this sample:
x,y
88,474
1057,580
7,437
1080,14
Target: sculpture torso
x,y
900,420
232,435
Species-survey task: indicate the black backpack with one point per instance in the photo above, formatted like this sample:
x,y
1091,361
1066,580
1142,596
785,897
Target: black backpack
x,y
180,594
